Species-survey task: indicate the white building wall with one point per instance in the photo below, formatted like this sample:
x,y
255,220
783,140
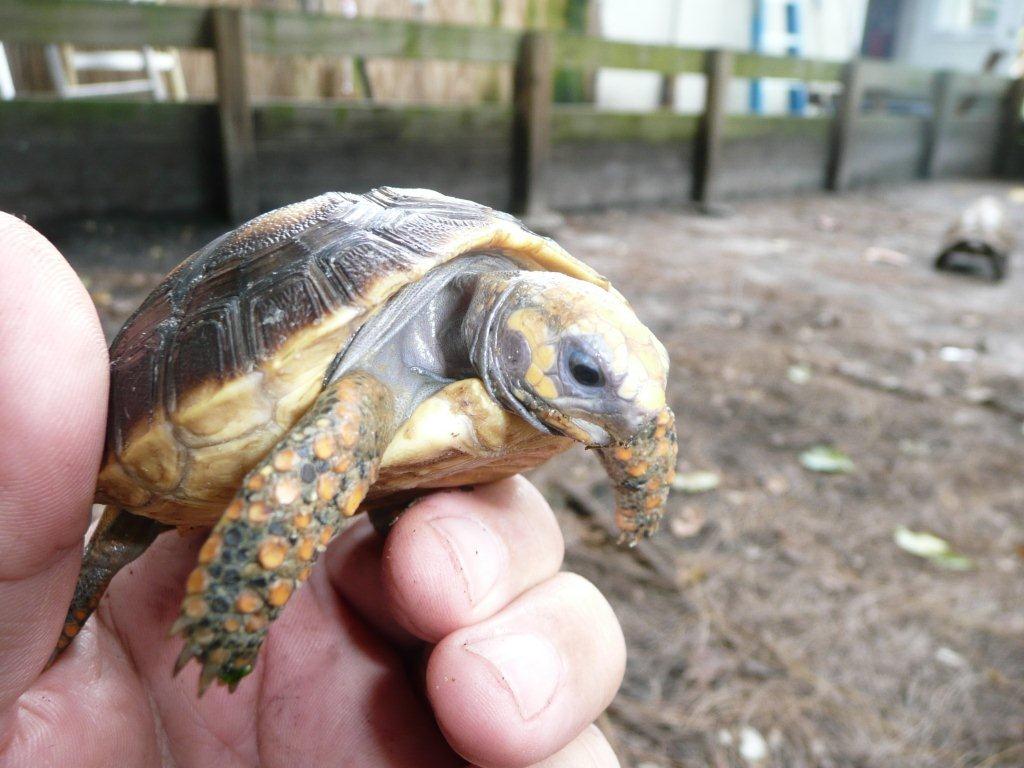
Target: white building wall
x,y
925,38
832,30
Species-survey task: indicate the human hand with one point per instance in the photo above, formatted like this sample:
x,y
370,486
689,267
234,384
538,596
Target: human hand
x,y
455,635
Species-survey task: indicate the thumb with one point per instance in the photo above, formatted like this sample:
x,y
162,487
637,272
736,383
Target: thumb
x,y
53,396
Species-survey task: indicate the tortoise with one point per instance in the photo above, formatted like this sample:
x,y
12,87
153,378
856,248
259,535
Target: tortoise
x,y
981,234
349,353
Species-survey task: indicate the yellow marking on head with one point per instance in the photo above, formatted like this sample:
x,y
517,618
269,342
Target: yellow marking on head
x,y
534,375
651,396
652,361
546,388
544,357
620,359
628,388
531,323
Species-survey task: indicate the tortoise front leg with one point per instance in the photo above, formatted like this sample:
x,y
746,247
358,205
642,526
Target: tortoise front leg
x,y
288,509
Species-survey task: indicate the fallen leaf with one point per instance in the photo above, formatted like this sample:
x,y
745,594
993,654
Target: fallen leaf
x,y
958,354
930,547
753,747
696,482
688,522
950,658
822,458
879,255
798,374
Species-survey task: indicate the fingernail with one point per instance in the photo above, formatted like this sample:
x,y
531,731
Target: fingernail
x,y
528,666
476,554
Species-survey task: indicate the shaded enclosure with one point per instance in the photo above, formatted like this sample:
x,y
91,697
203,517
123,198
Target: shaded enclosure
x,y
524,150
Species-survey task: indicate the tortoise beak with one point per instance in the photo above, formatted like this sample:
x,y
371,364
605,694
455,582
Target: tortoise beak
x,y
642,470
595,436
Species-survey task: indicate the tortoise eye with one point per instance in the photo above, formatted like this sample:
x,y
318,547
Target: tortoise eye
x,y
584,370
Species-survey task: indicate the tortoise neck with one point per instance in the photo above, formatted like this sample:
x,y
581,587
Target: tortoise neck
x,y
496,354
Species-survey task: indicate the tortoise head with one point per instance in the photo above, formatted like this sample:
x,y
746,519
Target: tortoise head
x,y
574,359
577,358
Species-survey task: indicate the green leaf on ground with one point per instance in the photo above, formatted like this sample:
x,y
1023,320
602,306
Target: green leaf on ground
x,y
696,482
932,548
822,458
798,374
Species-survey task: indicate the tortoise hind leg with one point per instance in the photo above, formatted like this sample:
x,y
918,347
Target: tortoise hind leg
x,y
288,509
119,538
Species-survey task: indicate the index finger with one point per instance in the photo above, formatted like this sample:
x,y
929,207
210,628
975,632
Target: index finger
x,y
53,395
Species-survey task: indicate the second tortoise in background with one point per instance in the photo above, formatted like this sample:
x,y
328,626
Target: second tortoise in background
x,y
347,353
979,241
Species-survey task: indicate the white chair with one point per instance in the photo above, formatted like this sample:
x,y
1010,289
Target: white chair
x,y
65,63
6,81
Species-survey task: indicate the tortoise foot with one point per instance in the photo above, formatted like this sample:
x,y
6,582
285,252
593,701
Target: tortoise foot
x,y
642,471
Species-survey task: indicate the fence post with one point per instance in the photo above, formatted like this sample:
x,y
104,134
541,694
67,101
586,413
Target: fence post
x,y
837,176
707,149
1006,158
234,107
531,129
942,111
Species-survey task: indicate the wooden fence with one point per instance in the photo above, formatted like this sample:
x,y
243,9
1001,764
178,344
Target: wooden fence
x,y
73,158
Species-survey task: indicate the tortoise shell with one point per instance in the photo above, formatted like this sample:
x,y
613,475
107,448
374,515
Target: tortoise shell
x,y
232,347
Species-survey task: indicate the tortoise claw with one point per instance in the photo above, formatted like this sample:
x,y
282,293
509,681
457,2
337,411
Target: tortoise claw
x,y
183,658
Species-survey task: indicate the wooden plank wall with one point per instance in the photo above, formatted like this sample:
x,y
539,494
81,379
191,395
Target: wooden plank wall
x,y
67,158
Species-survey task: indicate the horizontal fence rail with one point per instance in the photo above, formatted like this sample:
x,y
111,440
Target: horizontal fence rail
x,y
889,121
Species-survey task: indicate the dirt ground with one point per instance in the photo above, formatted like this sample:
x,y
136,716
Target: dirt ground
x,y
775,622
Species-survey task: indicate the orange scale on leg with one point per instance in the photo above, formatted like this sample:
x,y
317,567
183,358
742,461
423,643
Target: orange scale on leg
x,y
197,581
210,548
279,592
248,601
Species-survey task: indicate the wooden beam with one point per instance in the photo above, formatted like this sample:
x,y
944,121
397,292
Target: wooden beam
x,y
943,90
573,50
718,72
583,123
104,24
747,64
847,112
900,79
531,130
1007,153
238,145
291,33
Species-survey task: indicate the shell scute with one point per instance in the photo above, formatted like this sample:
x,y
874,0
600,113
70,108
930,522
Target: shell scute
x,y
351,262
206,346
282,307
